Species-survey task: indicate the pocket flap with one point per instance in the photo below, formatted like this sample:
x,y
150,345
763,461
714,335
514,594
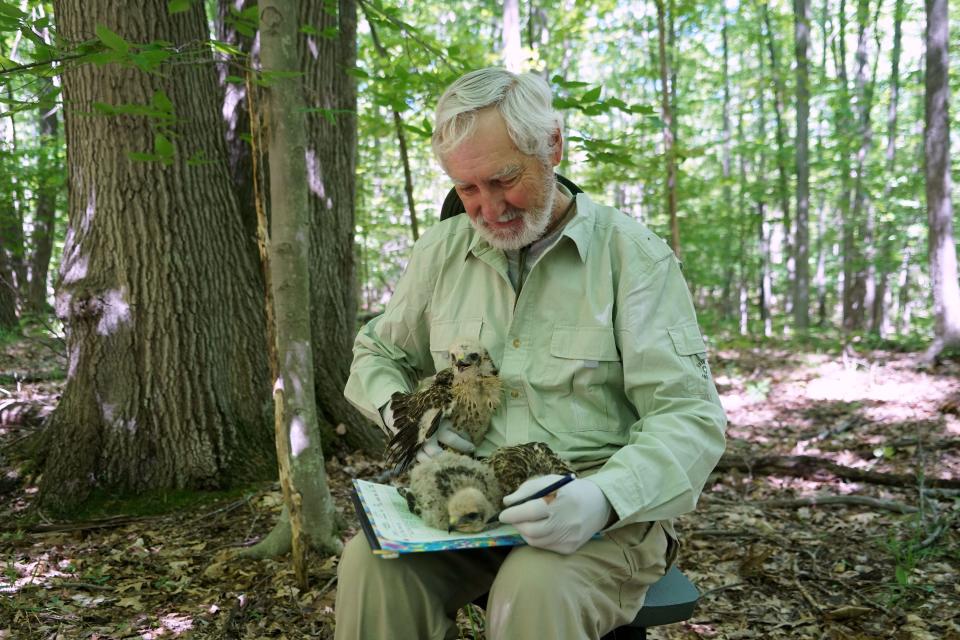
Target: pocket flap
x,y
584,343
687,339
444,332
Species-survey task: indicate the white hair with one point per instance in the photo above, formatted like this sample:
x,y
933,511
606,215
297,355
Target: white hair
x,y
523,100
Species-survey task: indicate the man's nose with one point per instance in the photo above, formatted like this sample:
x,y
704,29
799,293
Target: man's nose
x,y
492,205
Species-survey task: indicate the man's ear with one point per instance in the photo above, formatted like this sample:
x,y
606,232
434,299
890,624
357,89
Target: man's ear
x,y
556,147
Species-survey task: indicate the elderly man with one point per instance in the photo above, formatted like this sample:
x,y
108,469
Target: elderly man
x,y
587,316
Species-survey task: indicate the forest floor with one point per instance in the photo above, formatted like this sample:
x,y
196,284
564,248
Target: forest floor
x,y
772,556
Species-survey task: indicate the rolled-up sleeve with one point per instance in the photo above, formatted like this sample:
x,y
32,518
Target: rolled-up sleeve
x,y
392,351
679,436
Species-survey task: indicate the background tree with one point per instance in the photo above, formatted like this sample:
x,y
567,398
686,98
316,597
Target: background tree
x,y
943,251
160,298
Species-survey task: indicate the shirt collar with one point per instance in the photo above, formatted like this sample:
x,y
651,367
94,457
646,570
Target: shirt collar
x,y
579,229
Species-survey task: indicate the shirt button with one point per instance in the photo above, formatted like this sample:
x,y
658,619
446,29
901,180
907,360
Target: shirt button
x,y
514,394
516,343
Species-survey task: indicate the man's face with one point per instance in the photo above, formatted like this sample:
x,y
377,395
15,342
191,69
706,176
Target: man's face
x,y
508,195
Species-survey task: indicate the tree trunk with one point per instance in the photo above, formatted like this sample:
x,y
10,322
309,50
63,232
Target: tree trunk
x,y
668,152
936,136
801,290
236,108
730,276
512,51
331,158
783,187
309,507
401,139
41,240
763,233
887,229
861,239
167,380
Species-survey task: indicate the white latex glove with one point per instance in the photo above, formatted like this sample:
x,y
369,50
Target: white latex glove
x,y
431,446
562,524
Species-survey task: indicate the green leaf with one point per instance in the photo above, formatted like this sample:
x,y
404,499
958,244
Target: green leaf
x,y
903,579
11,11
234,80
226,48
112,40
308,29
251,14
178,6
357,72
161,102
163,147
330,33
593,95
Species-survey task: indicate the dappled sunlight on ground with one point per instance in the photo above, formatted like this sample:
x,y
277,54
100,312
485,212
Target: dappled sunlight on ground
x,y
772,560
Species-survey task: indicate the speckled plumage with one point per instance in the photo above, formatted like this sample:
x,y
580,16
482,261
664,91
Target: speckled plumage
x,y
453,492
516,464
468,393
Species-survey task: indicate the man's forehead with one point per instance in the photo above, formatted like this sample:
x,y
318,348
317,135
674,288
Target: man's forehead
x,y
507,171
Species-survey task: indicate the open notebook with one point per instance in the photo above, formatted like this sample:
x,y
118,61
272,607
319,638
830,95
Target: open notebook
x,y
391,529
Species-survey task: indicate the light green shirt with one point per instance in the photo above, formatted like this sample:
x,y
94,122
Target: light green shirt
x,y
600,355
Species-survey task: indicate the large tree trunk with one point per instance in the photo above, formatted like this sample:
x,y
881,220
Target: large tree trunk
x,y
936,135
765,283
41,240
801,287
844,125
167,379
331,158
309,507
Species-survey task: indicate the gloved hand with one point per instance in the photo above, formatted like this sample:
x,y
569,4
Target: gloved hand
x,y
431,446
562,524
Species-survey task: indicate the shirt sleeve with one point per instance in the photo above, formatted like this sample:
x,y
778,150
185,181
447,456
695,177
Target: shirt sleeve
x,y
392,352
679,437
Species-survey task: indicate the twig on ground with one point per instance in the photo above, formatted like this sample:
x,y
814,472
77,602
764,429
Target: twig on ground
x,y
864,501
327,586
806,595
715,590
812,466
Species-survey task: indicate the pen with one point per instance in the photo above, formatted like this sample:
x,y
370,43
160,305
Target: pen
x,y
550,488
547,490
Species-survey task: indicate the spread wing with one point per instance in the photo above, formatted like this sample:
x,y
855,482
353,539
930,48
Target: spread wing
x,y
416,416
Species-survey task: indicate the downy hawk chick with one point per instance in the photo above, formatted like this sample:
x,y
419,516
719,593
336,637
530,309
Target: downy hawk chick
x,y
515,464
453,492
467,393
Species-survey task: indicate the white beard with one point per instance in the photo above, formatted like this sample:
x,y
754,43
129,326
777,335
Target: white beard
x,y
535,221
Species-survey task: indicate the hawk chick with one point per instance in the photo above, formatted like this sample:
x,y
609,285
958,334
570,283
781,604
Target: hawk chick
x,y
467,393
516,464
453,492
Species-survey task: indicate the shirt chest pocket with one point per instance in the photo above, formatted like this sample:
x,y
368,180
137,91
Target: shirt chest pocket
x,y
584,369
444,332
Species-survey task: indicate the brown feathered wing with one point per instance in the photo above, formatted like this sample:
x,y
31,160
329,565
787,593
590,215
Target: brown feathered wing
x,y
416,416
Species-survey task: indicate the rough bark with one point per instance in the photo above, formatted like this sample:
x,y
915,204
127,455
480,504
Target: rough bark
x,y
160,296
236,108
310,511
936,135
331,159
801,286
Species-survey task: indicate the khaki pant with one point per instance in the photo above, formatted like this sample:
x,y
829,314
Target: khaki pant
x,y
532,593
